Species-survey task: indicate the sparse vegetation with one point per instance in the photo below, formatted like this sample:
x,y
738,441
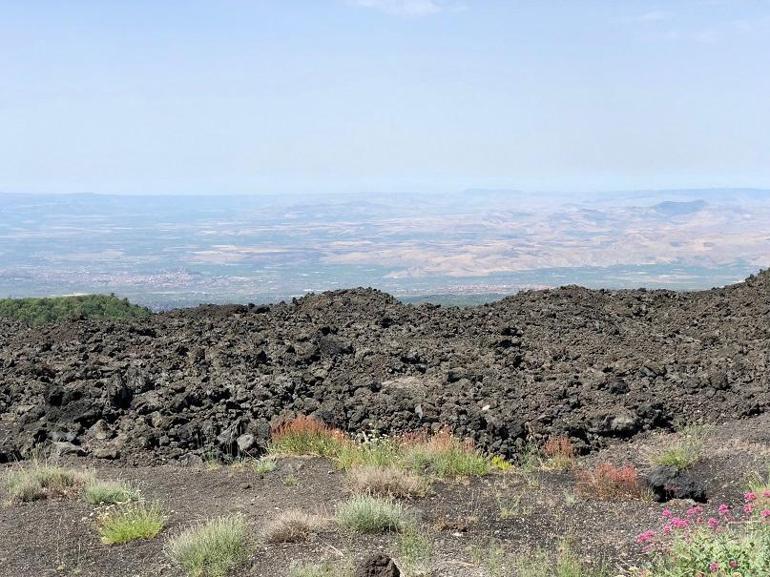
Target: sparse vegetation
x,y
37,311
263,466
292,526
367,514
131,522
414,550
324,569
387,482
212,548
307,436
564,563
607,481
444,456
559,453
99,492
40,480
685,451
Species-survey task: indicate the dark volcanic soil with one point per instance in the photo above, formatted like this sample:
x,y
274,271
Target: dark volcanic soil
x,y
596,365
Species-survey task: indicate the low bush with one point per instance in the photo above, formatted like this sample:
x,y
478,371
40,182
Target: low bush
x,y
292,526
131,523
367,514
606,481
39,480
559,453
387,482
307,436
212,548
99,492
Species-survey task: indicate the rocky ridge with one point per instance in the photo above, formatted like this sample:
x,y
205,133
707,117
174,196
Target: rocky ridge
x,y
210,381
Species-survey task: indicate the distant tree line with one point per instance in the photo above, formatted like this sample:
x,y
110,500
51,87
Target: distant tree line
x,y
36,311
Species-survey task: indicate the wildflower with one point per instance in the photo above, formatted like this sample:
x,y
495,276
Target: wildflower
x,y
666,513
748,508
724,509
766,493
749,496
713,522
667,528
733,564
765,513
680,523
713,566
645,537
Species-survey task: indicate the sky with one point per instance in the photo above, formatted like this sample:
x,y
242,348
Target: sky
x,y
378,96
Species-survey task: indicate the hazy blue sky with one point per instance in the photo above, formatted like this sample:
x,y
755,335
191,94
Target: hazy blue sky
x,y
241,96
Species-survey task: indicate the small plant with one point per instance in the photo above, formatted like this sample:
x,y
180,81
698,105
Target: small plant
x,y
292,526
559,453
564,563
290,480
726,542
367,514
387,482
212,548
684,452
414,550
444,455
491,557
39,480
500,464
130,523
371,451
606,481
109,492
307,436
264,465
325,569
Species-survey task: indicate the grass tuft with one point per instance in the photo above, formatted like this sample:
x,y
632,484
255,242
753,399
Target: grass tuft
x,y
263,466
606,481
444,456
684,452
131,523
306,436
387,482
325,569
211,549
38,480
109,492
367,514
292,526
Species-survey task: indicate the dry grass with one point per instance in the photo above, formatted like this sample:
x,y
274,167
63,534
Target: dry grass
x,y
307,436
293,526
606,481
559,453
387,482
99,492
41,480
443,455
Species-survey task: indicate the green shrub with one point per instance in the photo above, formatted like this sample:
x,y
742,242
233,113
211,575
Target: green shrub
x,y
37,311
131,522
366,514
39,480
109,492
211,549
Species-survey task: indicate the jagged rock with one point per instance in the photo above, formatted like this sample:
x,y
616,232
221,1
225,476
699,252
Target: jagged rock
x,y
377,565
669,483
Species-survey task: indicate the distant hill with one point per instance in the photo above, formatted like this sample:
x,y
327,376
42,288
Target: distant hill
x,y
37,311
673,208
